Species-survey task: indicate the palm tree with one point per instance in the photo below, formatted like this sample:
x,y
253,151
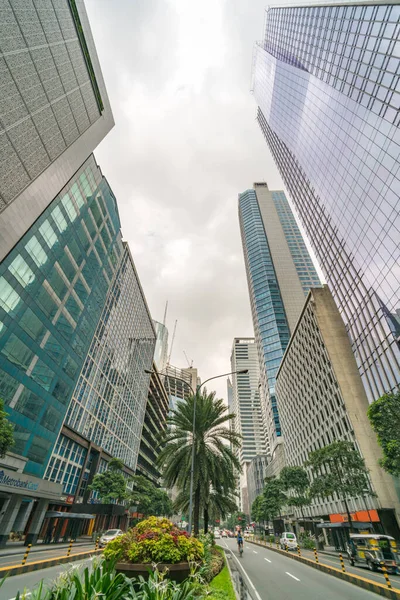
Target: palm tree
x,y
214,459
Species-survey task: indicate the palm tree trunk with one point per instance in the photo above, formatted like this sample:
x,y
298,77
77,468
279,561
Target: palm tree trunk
x,y
196,510
206,519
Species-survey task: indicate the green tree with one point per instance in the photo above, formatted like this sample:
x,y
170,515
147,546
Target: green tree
x,y
384,415
258,509
274,498
111,485
6,432
149,499
213,442
338,468
296,483
214,504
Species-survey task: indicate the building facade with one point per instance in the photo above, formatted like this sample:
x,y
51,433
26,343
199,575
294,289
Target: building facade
x,y
157,408
279,274
179,383
53,286
54,107
249,419
326,82
161,351
321,399
256,474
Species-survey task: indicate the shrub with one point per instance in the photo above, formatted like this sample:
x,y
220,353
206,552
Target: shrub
x,y
307,541
155,540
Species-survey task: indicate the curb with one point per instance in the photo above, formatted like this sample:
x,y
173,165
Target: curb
x,y
11,571
38,548
237,594
366,584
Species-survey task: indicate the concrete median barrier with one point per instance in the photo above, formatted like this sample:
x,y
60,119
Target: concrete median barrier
x,y
12,570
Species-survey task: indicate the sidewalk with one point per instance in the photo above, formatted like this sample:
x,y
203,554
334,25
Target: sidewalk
x,y
14,548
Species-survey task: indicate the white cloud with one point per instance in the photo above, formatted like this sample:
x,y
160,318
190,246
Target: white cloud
x,y
185,144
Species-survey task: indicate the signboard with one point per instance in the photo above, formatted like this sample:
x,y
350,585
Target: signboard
x,y
27,485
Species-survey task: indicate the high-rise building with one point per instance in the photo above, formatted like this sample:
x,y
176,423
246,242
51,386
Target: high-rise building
x,y
326,81
256,474
180,383
53,104
246,406
157,408
321,399
161,351
279,274
53,286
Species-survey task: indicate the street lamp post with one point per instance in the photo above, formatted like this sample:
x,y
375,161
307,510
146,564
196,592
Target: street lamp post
x,y
195,394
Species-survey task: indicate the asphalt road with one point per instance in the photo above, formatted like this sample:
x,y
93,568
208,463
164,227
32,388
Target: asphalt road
x,y
273,576
36,555
333,561
28,581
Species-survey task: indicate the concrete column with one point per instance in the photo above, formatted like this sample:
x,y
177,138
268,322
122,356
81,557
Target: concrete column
x,y
8,519
23,515
37,521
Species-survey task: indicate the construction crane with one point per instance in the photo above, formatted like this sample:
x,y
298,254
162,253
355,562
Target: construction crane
x,y
172,343
190,364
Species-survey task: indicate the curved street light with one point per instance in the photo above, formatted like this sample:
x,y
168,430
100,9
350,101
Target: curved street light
x,y
195,394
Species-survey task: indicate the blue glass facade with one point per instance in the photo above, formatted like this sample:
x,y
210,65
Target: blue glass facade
x,y
331,120
53,286
270,320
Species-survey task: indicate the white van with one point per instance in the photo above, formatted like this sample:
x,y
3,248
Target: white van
x,y
288,540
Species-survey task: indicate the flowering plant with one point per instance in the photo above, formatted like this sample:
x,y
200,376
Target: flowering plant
x,y
155,540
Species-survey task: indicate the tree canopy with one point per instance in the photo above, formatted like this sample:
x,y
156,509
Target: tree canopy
x,y
214,461
384,415
111,485
338,468
6,432
149,499
296,483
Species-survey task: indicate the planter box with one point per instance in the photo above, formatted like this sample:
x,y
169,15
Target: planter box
x,y
177,572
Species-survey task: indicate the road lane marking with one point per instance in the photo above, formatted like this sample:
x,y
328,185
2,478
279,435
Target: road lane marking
x,y
290,575
267,559
253,587
255,552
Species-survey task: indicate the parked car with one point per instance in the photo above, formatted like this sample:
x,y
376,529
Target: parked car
x,y
288,540
109,535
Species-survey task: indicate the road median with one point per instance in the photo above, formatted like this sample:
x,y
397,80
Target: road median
x,y
362,582
12,570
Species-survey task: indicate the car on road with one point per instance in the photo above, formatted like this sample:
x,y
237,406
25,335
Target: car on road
x,y
217,535
109,535
288,540
374,551
224,534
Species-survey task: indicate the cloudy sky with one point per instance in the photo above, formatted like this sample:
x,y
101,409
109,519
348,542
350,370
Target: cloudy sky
x,y
185,144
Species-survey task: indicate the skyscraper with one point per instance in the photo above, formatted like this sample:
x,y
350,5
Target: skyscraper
x,y
53,104
326,81
246,406
279,274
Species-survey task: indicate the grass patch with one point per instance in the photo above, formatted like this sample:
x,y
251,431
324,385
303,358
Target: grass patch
x,y
221,586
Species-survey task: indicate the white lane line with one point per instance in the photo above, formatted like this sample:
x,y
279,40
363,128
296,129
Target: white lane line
x,y
255,552
267,559
293,577
253,587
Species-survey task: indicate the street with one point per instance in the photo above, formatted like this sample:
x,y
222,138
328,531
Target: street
x,y
35,555
273,576
16,584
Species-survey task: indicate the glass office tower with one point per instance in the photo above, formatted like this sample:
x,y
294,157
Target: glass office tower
x,y
53,287
326,81
53,105
279,274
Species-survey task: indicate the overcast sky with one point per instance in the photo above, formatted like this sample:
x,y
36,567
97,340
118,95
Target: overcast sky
x,y
184,145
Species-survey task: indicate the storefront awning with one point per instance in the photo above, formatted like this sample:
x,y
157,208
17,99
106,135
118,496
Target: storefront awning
x,y
58,514
345,525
